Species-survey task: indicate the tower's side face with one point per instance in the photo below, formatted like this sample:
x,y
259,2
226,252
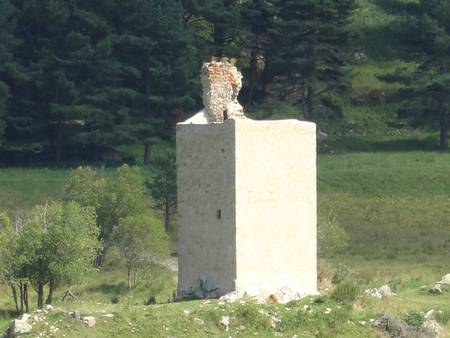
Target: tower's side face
x,y
206,209
276,206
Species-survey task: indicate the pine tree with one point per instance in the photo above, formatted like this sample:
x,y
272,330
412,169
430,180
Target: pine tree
x,y
257,20
313,43
56,58
99,76
7,25
435,67
217,24
163,69
425,100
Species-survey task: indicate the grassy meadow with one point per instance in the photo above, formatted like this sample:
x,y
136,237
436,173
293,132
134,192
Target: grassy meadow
x,y
392,204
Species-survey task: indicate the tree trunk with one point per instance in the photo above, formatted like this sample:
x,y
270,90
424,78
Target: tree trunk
x,y
14,293
25,297
58,153
167,224
129,277
146,153
51,289
100,258
253,76
40,292
443,139
21,297
265,77
219,38
135,278
309,102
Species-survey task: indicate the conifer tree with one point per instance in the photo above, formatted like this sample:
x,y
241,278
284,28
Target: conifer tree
x,y
257,20
7,43
217,23
313,43
55,56
434,33
425,100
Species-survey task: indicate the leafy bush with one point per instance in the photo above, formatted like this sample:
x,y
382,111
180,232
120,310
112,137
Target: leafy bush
x,y
115,299
414,318
346,292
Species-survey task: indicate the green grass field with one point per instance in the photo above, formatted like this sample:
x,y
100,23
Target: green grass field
x,y
393,205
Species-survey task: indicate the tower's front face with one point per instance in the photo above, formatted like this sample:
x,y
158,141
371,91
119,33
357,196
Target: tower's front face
x,y
206,209
247,208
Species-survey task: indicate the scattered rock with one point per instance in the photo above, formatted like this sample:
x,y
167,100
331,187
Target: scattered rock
x,y
445,280
230,297
396,327
386,291
432,327
199,321
436,289
186,312
89,321
373,293
225,322
430,314
274,320
273,298
380,293
49,307
19,327
108,315
77,315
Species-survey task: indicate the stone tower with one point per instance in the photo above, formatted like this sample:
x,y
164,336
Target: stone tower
x,y
246,199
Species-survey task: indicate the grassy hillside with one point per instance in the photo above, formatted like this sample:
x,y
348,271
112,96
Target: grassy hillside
x,y
392,204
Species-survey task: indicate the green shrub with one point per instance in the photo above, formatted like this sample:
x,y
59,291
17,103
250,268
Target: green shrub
x,y
250,315
346,292
414,318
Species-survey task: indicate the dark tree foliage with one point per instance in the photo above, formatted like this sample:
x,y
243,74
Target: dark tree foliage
x,y
257,21
149,75
163,187
314,43
7,43
102,75
78,78
426,101
217,22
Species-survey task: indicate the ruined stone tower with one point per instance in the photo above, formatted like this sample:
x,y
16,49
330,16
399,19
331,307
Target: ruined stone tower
x,y
246,198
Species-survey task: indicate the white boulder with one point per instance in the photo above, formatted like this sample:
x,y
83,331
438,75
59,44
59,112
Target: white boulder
x,y
89,321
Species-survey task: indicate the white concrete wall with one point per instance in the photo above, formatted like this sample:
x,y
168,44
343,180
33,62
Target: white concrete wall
x,y
262,176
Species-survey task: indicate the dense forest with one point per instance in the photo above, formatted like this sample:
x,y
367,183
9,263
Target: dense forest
x,y
78,79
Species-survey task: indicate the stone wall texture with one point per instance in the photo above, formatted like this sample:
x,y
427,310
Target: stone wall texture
x,y
222,83
247,208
